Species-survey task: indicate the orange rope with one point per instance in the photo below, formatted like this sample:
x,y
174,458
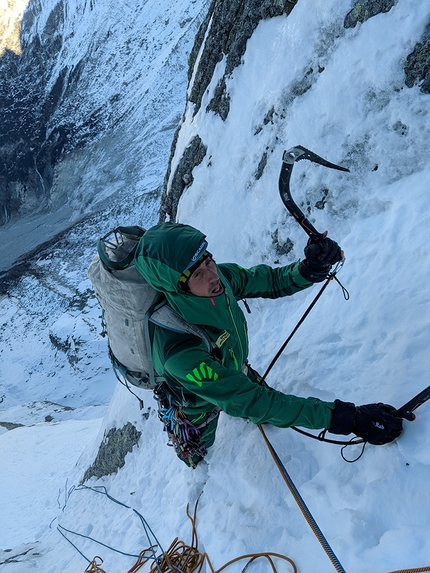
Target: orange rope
x,y
94,567
188,559
418,570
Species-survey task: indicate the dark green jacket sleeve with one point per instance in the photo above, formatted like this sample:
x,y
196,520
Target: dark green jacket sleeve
x,y
264,281
237,395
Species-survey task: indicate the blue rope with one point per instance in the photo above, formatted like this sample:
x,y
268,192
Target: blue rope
x,y
148,531
61,529
72,544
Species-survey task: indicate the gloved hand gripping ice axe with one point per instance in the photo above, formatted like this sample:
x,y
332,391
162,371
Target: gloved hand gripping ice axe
x,y
289,158
321,252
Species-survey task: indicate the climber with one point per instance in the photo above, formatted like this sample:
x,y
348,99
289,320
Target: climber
x,y
174,259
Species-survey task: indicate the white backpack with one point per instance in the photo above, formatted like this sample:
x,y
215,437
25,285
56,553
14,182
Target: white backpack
x,y
130,308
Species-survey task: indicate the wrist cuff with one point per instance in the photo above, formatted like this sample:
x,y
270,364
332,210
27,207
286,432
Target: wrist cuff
x,y
343,418
310,275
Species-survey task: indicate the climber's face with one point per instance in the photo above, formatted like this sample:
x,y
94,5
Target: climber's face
x,y
205,281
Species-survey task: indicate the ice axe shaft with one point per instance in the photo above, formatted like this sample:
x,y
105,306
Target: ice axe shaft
x,y
289,158
407,410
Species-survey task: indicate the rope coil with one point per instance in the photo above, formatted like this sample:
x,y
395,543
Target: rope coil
x,y
94,566
182,558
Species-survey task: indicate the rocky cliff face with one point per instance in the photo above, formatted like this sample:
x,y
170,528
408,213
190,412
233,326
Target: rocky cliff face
x,y
91,101
91,104
224,34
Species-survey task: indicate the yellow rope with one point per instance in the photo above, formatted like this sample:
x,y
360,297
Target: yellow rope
x,y
94,567
251,556
142,559
188,559
179,557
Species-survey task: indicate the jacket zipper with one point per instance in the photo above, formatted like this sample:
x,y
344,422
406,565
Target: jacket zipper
x,y
232,354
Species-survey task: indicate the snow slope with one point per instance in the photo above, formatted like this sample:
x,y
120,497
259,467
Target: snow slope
x,y
356,112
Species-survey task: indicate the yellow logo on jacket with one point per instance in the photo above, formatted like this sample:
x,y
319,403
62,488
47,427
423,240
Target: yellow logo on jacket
x,y
225,335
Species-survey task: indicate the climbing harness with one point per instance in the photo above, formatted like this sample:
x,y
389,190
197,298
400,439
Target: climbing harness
x,y
184,434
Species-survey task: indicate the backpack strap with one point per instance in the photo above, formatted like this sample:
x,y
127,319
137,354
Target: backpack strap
x,y
164,316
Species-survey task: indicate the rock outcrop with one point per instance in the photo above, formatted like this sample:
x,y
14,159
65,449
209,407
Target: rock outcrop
x,y
224,33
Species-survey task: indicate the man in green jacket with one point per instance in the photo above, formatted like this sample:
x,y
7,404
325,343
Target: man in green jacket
x,y
174,260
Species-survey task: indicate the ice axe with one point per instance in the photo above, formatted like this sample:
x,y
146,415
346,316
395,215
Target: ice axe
x,y
289,158
406,411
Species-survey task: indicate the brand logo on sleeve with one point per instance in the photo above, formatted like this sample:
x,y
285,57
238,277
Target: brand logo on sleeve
x,y
203,372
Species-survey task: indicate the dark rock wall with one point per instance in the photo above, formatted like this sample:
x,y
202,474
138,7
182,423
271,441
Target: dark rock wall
x,y
224,33
365,9
89,107
116,444
231,23
417,68
47,114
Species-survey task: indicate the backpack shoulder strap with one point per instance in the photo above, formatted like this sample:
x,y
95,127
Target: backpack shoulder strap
x,y
164,316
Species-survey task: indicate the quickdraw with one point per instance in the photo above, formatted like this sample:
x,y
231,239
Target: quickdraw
x,y
183,435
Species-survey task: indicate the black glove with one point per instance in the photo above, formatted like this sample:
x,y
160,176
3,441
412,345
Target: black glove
x,y
375,423
320,256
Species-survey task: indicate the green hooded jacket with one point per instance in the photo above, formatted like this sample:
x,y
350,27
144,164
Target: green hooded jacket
x,y
198,380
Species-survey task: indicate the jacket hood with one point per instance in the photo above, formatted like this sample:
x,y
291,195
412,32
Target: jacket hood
x,y
165,252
